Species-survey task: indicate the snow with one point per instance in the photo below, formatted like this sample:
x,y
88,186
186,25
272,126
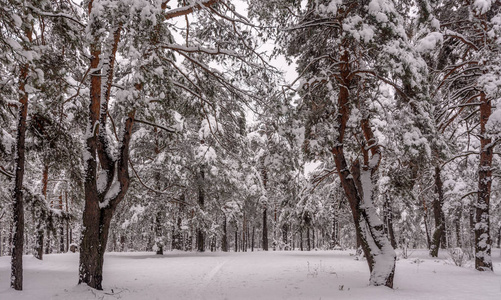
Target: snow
x,y
482,6
111,194
251,275
430,41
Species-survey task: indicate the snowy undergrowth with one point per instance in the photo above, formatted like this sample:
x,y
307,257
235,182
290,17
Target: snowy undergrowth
x,y
251,275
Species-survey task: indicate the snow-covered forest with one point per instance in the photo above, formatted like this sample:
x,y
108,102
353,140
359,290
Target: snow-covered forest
x,y
172,127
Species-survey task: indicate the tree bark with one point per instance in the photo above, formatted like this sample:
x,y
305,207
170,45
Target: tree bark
x,y
388,221
201,203
457,223
425,219
252,242
265,229
439,233
41,216
18,207
483,260
236,238
358,183
158,233
308,239
224,243
101,200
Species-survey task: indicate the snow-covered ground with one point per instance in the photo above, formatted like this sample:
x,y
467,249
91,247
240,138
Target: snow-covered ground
x,y
251,275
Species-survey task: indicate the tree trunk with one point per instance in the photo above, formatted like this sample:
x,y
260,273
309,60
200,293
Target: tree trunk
x,y
439,233
101,199
18,209
40,235
358,183
457,223
301,239
308,240
201,203
265,229
388,221
285,235
425,219
252,242
61,225
68,235
236,239
483,260
158,233
224,242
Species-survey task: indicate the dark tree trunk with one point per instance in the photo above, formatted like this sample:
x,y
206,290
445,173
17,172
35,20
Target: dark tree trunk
x,y
457,223
499,237
61,226
61,236
177,237
101,201
285,235
159,233
68,235
252,242
313,238
48,242
308,240
236,239
388,221
301,239
224,242
358,183
40,235
18,209
439,233
42,216
201,203
265,229
483,260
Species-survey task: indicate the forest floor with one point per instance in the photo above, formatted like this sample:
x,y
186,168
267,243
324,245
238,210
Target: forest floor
x,y
251,275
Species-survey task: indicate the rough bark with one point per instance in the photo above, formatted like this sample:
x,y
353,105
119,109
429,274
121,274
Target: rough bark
x,y
224,242
457,224
99,209
201,203
264,177
265,229
358,185
158,233
252,242
236,239
101,202
18,209
439,233
388,221
483,260
41,216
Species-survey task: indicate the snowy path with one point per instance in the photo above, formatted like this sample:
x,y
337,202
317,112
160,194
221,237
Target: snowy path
x,y
251,275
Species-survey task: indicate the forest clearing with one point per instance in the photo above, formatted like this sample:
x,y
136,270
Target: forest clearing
x,y
253,275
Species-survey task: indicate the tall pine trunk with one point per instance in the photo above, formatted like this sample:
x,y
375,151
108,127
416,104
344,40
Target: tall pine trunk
x,y
483,260
201,203
439,233
265,229
18,207
358,183
113,176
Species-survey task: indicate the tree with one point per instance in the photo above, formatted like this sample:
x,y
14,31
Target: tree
x,y
341,65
